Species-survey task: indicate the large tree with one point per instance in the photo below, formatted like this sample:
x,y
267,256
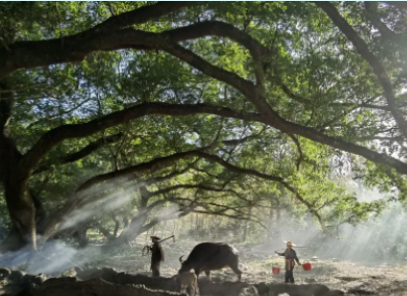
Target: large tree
x,y
117,96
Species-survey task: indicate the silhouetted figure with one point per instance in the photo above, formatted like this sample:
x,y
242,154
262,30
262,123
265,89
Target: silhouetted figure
x,y
290,255
157,256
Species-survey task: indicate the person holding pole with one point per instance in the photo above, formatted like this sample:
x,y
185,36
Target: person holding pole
x,y
290,255
157,255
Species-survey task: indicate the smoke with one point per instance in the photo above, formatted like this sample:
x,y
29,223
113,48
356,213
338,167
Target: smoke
x,y
55,257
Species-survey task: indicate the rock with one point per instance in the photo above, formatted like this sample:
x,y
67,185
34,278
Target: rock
x,y
70,273
249,291
334,293
4,273
96,287
35,279
314,258
335,259
361,291
310,280
292,290
16,276
347,278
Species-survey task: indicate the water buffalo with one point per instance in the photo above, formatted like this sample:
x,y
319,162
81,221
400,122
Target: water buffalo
x,y
211,256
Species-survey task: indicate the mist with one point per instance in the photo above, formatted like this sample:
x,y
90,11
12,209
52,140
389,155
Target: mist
x,y
56,256
380,240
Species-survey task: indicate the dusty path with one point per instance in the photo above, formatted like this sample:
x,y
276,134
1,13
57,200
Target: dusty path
x,y
354,278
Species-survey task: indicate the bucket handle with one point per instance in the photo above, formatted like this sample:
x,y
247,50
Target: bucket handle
x,y
305,261
275,265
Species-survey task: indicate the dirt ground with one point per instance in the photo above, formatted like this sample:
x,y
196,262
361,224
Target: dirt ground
x,y
351,277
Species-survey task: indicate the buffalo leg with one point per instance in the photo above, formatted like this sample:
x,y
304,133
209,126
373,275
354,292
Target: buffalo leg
x,y
196,289
197,271
236,270
184,289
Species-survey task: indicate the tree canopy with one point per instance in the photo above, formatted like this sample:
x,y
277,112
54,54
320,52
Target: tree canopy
x,y
153,110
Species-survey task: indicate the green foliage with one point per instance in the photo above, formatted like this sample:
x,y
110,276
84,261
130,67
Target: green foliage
x,y
310,57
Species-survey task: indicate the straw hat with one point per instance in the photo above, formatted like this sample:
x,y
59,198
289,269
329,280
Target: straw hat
x,y
290,243
154,237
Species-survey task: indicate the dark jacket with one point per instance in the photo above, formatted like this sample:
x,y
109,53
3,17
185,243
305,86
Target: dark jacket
x,y
157,253
290,256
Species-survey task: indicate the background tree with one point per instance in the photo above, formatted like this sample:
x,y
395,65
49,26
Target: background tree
x,y
214,108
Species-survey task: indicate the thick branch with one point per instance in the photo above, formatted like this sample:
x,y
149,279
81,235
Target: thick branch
x,y
57,135
272,118
128,38
155,164
79,154
366,54
140,15
199,153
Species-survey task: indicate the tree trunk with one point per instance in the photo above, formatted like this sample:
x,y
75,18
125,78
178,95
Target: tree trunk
x,y
125,223
19,202
196,225
40,213
22,214
134,230
80,236
278,220
270,224
116,227
246,225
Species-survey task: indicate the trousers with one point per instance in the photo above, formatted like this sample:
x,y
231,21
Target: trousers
x,y
155,267
289,276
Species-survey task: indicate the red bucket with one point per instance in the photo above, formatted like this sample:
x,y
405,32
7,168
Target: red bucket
x,y
275,269
306,265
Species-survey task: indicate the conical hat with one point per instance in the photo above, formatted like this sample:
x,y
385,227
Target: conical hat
x,y
290,243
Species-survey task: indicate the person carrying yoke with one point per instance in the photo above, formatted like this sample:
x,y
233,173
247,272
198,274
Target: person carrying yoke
x,y
157,255
290,255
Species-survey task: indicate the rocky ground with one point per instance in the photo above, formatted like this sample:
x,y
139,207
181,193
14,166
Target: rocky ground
x,y
256,263
351,277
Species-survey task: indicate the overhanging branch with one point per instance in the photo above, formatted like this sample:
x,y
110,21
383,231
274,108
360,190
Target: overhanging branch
x,y
64,132
79,154
129,38
163,161
367,55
